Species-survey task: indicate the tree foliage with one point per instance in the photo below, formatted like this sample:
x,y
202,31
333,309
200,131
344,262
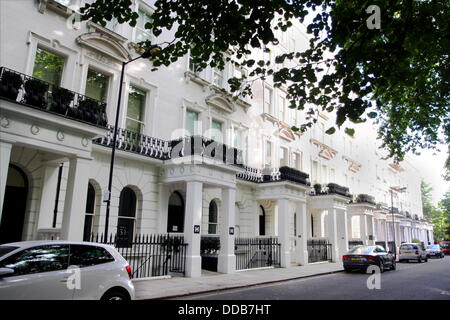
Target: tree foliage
x,y
397,75
440,215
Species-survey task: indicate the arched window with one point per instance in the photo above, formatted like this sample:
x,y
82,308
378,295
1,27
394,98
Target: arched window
x,y
175,217
89,212
127,216
262,221
212,218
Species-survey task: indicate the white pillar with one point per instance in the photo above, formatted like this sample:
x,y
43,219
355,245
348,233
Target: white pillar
x,y
227,259
363,228
5,155
332,234
283,232
48,195
342,232
75,202
371,230
301,250
192,225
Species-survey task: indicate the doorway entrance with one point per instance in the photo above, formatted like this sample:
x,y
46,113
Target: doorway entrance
x,y
14,205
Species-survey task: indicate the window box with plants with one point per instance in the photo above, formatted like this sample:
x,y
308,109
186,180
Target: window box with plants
x,y
35,93
61,100
10,84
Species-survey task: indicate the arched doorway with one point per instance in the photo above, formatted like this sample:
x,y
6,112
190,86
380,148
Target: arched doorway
x,y
175,217
213,215
127,216
14,205
90,208
262,221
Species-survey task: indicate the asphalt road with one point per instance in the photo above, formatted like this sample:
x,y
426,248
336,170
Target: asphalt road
x,y
410,281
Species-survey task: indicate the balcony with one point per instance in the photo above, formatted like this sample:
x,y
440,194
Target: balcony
x,y
330,188
365,198
34,93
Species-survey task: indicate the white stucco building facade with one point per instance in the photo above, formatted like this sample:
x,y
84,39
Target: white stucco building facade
x,y
55,166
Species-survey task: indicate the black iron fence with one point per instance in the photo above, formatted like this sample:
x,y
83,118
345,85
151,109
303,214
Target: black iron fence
x,y
48,97
319,250
150,255
257,252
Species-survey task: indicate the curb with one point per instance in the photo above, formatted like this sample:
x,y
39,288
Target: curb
x,y
243,286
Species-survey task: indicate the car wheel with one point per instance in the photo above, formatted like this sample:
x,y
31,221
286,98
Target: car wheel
x,y
115,295
381,266
394,265
426,259
419,260
348,270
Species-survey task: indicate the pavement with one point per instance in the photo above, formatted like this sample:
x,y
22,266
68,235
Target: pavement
x,y
210,282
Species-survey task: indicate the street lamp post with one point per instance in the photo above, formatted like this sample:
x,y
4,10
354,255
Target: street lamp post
x,y
391,189
145,55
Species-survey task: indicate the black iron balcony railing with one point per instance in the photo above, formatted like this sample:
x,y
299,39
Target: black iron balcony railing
x,y
131,141
33,92
274,174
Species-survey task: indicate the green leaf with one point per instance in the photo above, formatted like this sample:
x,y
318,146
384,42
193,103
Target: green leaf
x,y
331,130
350,131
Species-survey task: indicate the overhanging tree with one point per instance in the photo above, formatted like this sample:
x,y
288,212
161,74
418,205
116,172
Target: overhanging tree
x,y
398,74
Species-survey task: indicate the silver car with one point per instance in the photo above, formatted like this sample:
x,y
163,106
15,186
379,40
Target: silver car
x,y
62,270
435,251
412,251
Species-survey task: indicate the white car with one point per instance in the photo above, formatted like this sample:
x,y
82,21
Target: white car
x,y
412,251
43,270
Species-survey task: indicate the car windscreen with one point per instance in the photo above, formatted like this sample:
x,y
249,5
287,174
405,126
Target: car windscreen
x,y
445,245
434,247
361,250
6,249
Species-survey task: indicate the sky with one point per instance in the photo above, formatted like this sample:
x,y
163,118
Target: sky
x,y
431,166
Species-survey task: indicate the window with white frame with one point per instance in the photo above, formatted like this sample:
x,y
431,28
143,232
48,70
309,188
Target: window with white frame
x,y
284,157
267,154
240,141
97,85
141,33
296,160
212,218
268,105
216,130
48,66
217,77
135,109
191,125
282,109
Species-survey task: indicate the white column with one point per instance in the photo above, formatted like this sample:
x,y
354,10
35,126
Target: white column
x,y
301,250
48,195
283,232
332,234
363,228
227,259
75,201
193,222
5,155
371,230
342,232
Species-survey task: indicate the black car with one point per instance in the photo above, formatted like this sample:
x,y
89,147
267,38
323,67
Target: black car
x,y
362,257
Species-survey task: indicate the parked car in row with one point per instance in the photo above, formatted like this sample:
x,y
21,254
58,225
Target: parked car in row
x,y
435,251
413,251
445,246
60,270
362,257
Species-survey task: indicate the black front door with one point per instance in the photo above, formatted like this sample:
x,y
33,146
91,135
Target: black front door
x,y
14,206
